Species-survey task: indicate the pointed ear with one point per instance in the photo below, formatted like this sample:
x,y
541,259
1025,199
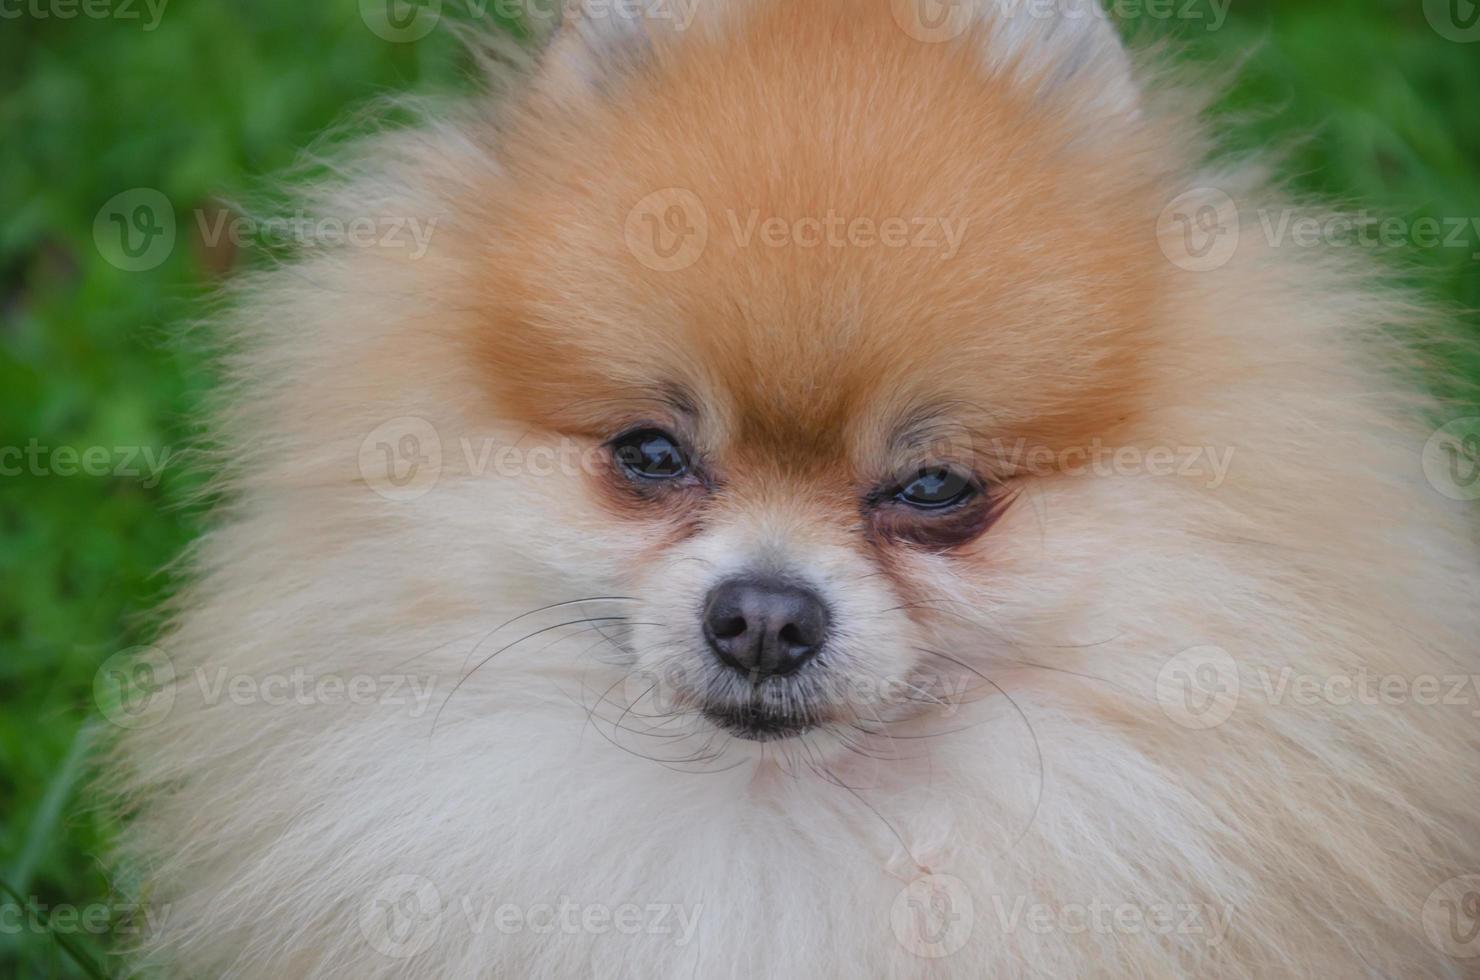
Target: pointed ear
x,y
587,47
1058,45
1065,46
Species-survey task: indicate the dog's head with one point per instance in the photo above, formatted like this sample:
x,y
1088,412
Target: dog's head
x,y
819,308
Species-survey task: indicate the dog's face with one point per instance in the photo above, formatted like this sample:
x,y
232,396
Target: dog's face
x,y
814,369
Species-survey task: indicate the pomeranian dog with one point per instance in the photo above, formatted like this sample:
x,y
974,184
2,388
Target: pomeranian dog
x,y
846,490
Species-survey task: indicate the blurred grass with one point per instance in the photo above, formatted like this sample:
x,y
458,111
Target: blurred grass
x,y
1377,108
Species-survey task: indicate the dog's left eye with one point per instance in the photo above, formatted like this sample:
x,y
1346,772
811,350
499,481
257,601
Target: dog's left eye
x,y
650,454
937,488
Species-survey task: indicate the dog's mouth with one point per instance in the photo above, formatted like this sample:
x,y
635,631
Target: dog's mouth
x,y
758,723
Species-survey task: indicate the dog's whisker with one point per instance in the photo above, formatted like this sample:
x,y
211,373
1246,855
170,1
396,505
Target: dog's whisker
x,y
1032,733
539,632
539,609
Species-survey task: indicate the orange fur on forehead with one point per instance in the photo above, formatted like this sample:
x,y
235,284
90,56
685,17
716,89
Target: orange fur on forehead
x,y
810,112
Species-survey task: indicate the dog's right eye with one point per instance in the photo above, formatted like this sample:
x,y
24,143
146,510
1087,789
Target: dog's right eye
x,y
650,454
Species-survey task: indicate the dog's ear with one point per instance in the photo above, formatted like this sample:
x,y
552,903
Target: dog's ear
x,y
1070,46
1057,45
589,44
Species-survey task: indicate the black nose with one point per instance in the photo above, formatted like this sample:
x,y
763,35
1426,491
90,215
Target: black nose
x,y
764,627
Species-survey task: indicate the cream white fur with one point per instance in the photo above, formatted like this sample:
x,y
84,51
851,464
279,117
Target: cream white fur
x,y
1291,840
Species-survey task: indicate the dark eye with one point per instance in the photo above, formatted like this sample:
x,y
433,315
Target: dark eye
x,y
650,454
937,488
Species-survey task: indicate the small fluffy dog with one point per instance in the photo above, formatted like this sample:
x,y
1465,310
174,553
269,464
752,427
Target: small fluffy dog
x,y
843,492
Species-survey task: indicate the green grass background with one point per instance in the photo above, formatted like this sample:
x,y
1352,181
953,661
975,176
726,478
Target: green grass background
x,y
1379,109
